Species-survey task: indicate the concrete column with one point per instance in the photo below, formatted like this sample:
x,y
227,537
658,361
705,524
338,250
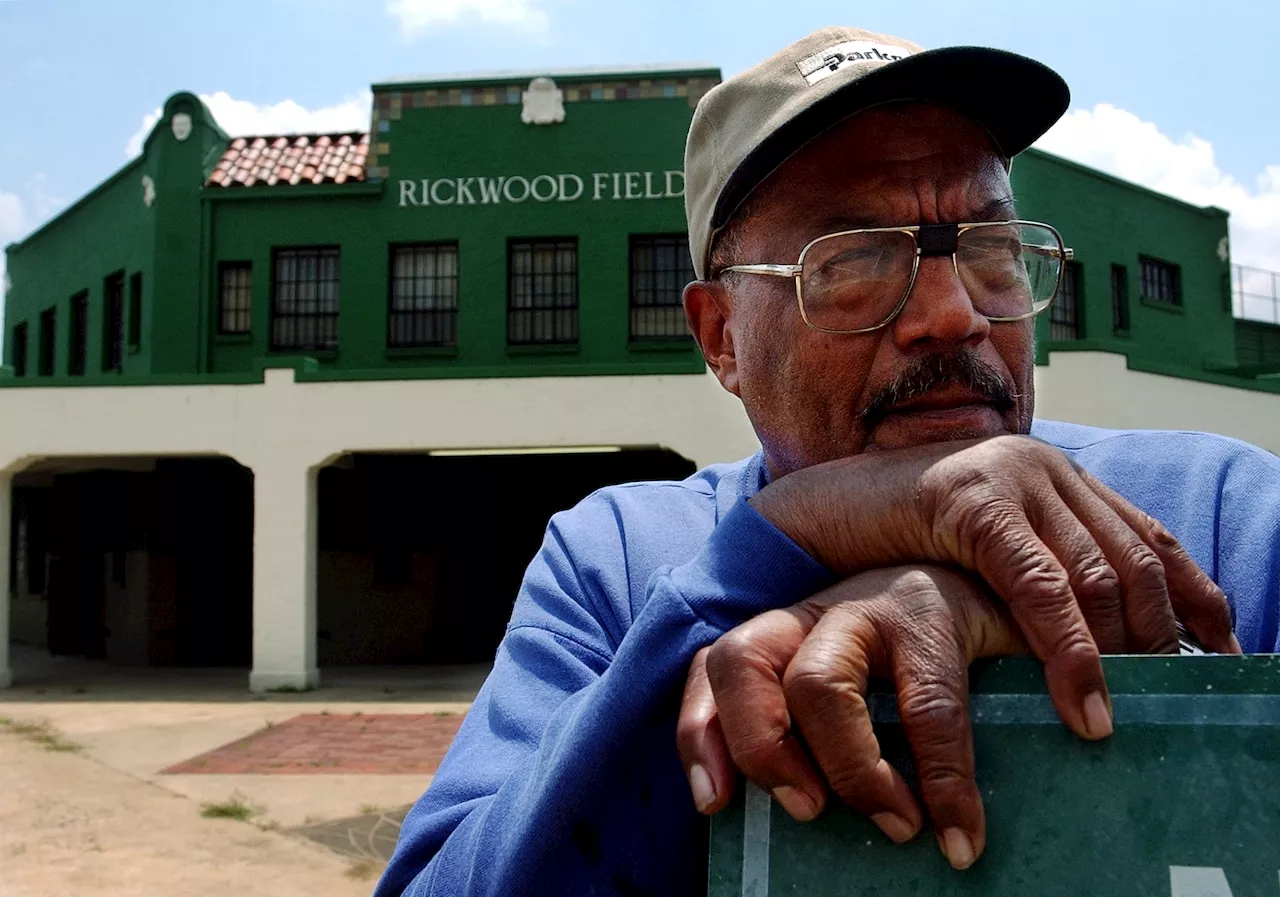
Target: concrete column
x,y
284,576
6,511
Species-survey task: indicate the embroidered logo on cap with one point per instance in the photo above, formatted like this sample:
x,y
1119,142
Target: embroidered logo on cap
x,y
825,64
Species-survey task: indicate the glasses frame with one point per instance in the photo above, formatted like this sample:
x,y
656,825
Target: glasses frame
x,y
796,271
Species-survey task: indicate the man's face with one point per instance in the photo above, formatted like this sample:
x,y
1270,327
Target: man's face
x,y
939,370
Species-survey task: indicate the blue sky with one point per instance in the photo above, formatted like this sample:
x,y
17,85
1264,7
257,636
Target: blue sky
x,y
1180,96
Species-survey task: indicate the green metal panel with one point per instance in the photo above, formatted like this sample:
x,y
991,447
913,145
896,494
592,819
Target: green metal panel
x,y
1190,779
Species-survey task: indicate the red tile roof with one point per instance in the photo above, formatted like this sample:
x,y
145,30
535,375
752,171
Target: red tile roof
x,y
295,159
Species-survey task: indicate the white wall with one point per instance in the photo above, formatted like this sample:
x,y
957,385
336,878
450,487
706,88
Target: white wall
x,y
284,431
1096,388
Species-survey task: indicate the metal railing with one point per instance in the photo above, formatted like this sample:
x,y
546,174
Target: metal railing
x,y
1255,294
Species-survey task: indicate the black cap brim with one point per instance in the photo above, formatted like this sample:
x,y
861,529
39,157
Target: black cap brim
x,y
1014,98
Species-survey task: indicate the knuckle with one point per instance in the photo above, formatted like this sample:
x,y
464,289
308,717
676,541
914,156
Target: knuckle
x,y
805,683
1098,582
934,710
757,753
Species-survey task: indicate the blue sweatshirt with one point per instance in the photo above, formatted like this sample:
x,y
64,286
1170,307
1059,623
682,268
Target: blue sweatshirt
x,y
565,779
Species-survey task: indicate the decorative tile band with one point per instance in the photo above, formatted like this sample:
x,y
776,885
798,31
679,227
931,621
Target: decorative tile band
x,y
389,106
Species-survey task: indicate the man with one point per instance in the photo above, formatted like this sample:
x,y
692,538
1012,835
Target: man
x,y
865,289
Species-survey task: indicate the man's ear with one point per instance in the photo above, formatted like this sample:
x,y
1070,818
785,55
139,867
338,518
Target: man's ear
x,y
709,310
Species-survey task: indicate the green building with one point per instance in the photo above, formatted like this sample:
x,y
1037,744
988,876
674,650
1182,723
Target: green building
x,y
305,360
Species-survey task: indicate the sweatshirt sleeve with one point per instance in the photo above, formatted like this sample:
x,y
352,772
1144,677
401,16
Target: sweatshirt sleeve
x,y
564,777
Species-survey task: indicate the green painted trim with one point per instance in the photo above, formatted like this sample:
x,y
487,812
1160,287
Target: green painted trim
x,y
1207,211
84,200
422,352
663,345
232,339
544,349
1162,306
292,191
522,80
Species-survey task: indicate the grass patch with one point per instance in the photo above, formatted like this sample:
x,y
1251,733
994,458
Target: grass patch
x,y
235,808
361,871
40,733
289,690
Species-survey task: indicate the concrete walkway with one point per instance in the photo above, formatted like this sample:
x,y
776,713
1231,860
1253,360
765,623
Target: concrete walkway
x,y
105,811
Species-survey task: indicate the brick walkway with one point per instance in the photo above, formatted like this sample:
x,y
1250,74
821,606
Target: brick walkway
x,y
378,744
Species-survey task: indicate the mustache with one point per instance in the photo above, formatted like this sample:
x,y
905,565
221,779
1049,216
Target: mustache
x,y
935,372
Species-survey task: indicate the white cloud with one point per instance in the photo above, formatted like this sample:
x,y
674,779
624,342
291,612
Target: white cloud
x,y
417,16
243,117
1118,142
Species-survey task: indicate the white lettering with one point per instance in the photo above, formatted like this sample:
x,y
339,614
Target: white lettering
x,y
548,179
506,190
617,181
633,185
491,190
464,192
426,194
648,187
599,180
672,194
408,193
435,193
564,191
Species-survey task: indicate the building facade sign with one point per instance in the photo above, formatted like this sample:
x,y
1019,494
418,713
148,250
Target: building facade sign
x,y
600,186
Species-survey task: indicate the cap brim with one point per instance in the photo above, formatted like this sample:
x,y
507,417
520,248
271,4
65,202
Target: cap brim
x,y
1014,98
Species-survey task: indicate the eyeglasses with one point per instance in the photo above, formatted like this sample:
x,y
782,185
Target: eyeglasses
x,y
856,281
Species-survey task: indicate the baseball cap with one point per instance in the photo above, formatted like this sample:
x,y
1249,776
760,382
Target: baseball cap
x,y
746,127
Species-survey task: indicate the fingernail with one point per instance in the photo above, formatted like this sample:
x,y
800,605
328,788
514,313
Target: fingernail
x,y
1097,718
898,829
796,802
958,848
1235,645
704,792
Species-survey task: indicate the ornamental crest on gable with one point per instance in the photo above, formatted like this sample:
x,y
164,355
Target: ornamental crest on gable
x,y
543,103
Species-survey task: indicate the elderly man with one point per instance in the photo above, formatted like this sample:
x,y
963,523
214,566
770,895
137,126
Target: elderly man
x,y
868,291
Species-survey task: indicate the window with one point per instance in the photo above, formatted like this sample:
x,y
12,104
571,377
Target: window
x,y
1161,282
77,349
1064,314
423,307
235,297
304,301
661,266
542,291
48,340
113,323
135,311
19,355
1120,298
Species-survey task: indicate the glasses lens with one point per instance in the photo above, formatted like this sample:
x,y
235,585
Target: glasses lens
x,y
1009,270
855,281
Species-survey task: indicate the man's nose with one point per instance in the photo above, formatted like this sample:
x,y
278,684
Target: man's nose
x,y
939,310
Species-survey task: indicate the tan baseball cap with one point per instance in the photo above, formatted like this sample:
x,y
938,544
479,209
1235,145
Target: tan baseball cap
x,y
746,127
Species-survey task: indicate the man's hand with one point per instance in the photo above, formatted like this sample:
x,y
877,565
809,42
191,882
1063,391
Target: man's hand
x,y
1082,571
806,668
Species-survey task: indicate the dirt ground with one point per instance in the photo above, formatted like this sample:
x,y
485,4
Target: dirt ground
x,y
70,825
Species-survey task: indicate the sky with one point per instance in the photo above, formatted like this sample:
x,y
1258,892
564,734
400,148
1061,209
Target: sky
x,y
1177,95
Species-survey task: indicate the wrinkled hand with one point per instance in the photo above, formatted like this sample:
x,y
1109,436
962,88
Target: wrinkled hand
x,y
804,670
1082,571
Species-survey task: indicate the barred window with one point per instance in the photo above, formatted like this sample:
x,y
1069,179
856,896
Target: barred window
x,y
304,302
19,355
78,347
1064,314
113,322
542,291
423,307
135,310
661,266
48,341
1119,298
1161,281
235,297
